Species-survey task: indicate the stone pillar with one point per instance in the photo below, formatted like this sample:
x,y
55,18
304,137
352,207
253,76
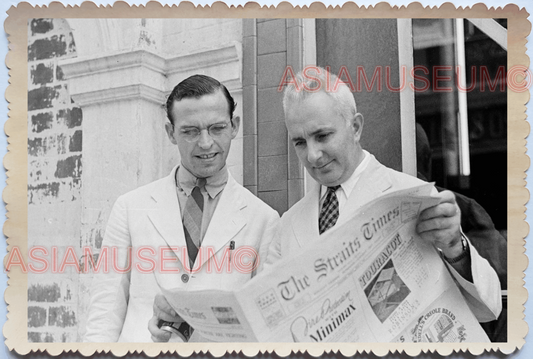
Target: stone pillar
x,y
121,97
273,170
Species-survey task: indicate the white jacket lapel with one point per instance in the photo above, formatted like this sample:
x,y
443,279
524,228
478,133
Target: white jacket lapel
x,y
304,221
166,216
373,182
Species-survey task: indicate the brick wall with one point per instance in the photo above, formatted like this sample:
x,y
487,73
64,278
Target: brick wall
x,y
54,180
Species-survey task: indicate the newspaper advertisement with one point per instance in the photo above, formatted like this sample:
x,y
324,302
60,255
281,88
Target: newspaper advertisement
x,y
368,279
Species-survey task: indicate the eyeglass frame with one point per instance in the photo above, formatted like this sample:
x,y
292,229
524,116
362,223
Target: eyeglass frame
x,y
182,134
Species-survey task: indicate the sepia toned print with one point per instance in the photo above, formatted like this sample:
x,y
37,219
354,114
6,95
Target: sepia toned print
x,y
442,94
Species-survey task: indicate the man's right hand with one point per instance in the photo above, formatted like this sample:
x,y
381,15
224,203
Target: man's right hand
x,y
162,311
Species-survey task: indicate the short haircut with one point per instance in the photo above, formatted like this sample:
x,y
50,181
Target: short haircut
x,y
316,79
197,86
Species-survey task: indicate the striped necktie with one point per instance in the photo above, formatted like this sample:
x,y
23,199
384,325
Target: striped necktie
x,y
192,220
329,212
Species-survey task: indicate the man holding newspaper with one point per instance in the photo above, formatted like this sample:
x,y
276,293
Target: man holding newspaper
x,y
325,129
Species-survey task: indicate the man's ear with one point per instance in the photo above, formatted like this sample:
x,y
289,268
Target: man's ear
x,y
170,132
357,125
236,122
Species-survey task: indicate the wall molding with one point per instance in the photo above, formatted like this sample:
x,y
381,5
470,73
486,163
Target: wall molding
x,y
143,74
122,93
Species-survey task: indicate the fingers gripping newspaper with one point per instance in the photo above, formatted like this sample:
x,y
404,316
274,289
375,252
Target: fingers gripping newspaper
x,y
369,279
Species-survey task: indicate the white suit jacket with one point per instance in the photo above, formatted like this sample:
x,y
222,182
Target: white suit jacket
x,y
299,226
121,303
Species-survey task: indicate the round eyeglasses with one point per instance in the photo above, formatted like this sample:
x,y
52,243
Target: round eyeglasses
x,y
192,134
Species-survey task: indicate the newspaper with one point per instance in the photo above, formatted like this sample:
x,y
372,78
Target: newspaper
x,y
368,279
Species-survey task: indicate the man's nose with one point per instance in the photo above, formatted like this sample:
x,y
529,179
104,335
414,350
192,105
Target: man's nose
x,y
205,141
314,152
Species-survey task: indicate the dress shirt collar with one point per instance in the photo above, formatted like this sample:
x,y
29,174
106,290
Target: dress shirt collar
x,y
186,181
350,183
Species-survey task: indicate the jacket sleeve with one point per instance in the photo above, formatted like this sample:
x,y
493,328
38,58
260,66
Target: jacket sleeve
x,y
269,237
275,249
110,286
483,295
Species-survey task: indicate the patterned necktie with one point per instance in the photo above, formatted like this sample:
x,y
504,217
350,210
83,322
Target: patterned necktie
x,y
192,220
330,210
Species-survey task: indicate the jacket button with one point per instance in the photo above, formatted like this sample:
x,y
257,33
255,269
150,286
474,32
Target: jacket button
x,y
184,278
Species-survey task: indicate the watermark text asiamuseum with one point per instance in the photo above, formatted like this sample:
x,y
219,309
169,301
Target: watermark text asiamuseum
x,y
421,79
144,259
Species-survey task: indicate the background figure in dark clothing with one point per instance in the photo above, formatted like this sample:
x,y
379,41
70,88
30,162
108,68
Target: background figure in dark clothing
x,y
479,228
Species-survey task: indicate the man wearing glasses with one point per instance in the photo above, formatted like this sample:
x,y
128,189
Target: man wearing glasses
x,y
191,222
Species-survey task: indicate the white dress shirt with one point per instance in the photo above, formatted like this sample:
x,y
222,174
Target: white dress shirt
x,y
346,188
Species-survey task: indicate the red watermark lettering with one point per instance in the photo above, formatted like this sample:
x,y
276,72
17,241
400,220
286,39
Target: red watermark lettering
x,y
343,73
246,259
485,79
307,73
403,79
186,262
416,77
164,259
115,261
43,261
437,79
472,79
69,259
225,260
15,259
54,259
519,78
88,260
140,255
376,76
144,259
285,81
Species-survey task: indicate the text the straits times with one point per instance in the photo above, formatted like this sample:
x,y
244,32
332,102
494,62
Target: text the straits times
x,y
369,279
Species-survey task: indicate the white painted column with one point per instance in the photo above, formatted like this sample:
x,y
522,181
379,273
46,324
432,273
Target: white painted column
x,y
407,97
